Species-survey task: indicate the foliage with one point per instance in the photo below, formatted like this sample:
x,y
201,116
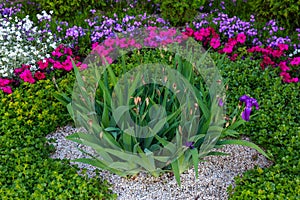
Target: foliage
x,y
26,171
179,12
68,10
276,128
285,11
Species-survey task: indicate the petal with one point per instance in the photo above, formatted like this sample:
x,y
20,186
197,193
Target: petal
x,y
246,114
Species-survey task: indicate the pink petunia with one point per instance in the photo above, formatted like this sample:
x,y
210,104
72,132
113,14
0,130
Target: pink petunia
x,y
283,66
94,45
4,82
68,51
189,32
198,36
215,43
295,61
6,89
43,65
241,38
27,76
283,47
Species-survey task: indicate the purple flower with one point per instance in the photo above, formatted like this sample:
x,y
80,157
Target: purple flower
x,y
249,102
190,145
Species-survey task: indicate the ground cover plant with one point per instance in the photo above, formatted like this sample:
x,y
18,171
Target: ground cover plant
x,y
257,55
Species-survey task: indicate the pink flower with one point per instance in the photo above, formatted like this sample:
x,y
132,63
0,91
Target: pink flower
x,y
6,89
4,82
277,53
205,32
39,75
241,38
68,51
189,32
283,47
94,45
57,53
198,36
67,64
82,66
295,61
109,42
27,76
215,43
283,66
43,65
57,65
20,70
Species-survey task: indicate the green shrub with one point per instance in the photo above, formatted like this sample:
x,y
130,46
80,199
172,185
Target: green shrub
x,y
284,11
276,128
70,9
26,171
179,12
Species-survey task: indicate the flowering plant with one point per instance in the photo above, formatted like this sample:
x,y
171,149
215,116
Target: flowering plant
x,y
141,121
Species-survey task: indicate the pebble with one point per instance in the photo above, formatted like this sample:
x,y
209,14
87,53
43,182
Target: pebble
x,y
215,175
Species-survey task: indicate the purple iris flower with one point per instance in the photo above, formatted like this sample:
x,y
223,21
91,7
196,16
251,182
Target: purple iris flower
x,y
249,102
190,145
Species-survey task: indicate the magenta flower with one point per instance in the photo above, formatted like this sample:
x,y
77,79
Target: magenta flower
x,y
27,76
6,89
241,38
39,75
4,82
215,43
249,102
43,65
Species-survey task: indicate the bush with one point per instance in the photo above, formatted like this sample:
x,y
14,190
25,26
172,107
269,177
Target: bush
x,y
179,12
284,11
276,128
68,10
26,171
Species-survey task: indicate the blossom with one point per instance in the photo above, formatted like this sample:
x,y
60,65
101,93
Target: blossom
x,y
249,102
215,43
241,38
189,32
43,64
39,75
6,89
4,82
190,145
27,76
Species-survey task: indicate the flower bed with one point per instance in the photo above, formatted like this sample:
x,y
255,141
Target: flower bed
x,y
38,56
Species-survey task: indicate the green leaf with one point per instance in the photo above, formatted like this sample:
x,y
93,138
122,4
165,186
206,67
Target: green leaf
x,y
175,169
195,157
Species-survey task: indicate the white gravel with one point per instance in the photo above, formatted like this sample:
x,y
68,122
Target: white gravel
x,y
215,175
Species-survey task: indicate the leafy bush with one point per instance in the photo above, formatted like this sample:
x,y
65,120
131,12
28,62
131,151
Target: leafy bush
x,y
68,10
26,171
285,11
276,128
179,12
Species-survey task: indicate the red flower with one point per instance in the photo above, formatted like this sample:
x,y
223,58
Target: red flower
x,y
39,75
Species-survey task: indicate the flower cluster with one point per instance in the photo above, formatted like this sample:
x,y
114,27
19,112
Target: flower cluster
x,y
22,43
61,59
249,103
149,38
